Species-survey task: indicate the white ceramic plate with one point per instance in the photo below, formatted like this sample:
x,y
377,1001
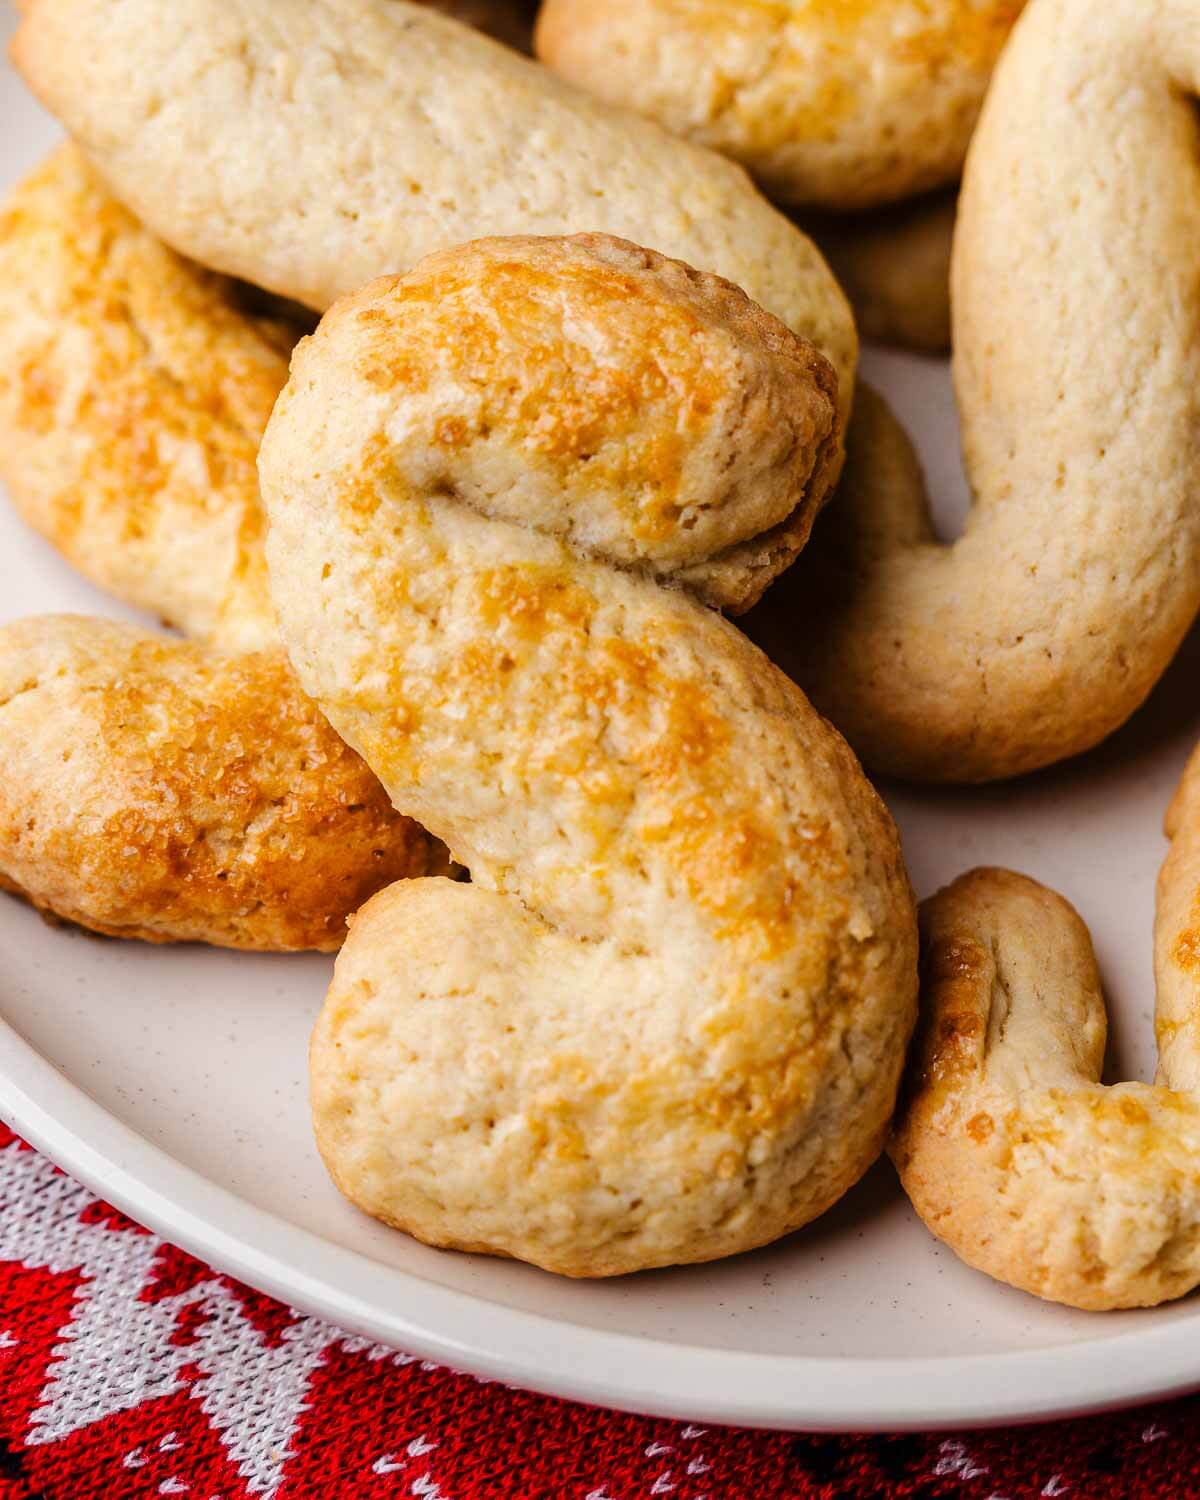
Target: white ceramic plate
x,y
173,1083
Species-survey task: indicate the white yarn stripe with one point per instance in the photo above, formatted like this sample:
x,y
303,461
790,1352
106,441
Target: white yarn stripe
x,y
117,1352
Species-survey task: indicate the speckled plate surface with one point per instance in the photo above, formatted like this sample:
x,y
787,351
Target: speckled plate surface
x,y
173,1082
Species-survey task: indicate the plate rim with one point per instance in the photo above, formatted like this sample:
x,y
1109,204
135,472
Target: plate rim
x,y
643,1375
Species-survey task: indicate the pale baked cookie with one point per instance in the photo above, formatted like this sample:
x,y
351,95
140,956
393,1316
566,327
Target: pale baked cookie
x,y
1011,1150
1077,364
666,1021
894,265
411,134
134,390
154,789
830,105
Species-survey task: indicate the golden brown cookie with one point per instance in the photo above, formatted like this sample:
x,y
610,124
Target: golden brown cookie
x,y
666,1020
153,789
134,390
832,105
1012,1151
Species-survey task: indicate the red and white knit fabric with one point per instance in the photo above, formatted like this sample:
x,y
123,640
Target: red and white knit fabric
x,y
129,1370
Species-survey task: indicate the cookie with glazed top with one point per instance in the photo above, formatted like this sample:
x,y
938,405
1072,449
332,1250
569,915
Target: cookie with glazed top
x,y
666,1020
154,789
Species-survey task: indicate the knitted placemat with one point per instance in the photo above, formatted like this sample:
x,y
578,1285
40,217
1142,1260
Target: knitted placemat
x,y
129,1369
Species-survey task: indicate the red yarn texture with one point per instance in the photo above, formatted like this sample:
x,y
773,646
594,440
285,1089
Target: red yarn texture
x,y
129,1370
